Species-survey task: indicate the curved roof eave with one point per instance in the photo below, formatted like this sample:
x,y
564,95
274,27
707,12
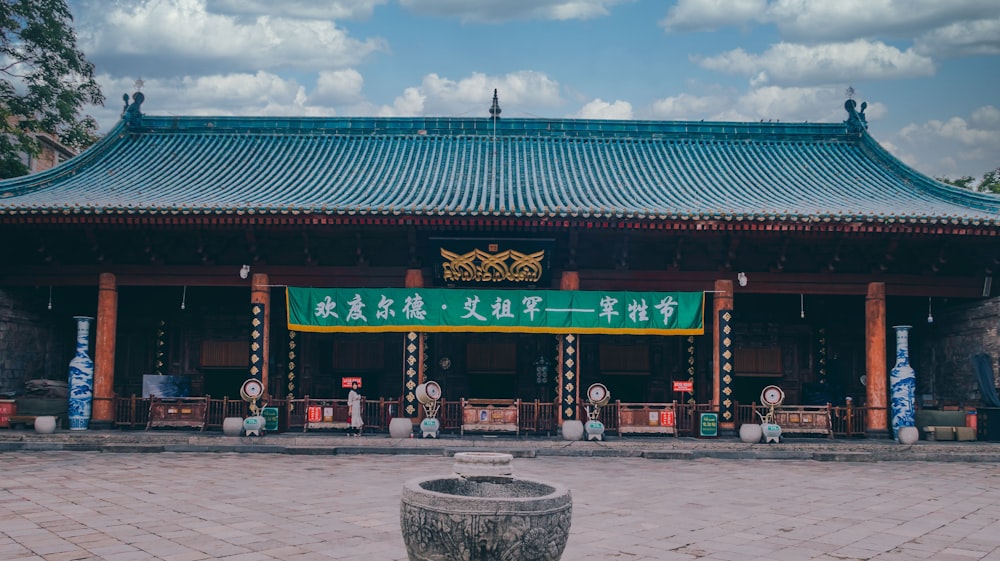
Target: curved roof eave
x,y
638,171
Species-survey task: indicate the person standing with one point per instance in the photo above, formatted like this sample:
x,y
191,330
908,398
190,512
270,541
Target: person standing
x,y
354,406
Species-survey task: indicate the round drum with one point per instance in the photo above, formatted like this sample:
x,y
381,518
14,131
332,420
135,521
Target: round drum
x,y
598,394
428,392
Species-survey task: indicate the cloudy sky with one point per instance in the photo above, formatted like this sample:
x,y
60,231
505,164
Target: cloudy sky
x,y
929,69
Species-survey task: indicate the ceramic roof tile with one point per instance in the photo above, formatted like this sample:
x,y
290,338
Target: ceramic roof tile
x,y
480,167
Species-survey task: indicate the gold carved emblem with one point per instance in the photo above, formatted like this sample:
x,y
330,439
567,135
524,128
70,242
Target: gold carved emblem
x,y
481,266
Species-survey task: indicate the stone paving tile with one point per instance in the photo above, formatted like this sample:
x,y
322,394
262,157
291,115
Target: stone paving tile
x,y
69,506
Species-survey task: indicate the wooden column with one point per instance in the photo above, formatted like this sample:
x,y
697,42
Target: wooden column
x,y
876,376
413,357
104,351
414,278
722,300
570,280
568,370
260,298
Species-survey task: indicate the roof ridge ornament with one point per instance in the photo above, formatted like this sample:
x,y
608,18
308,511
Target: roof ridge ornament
x,y
131,112
856,121
495,108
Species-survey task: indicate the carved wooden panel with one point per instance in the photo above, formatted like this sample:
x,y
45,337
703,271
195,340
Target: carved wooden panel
x,y
366,354
757,361
491,357
632,359
225,354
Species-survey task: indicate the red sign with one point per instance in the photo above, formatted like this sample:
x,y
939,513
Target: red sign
x,y
683,386
314,414
667,418
346,381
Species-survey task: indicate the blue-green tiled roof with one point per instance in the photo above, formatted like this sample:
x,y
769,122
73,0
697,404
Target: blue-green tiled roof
x,y
639,170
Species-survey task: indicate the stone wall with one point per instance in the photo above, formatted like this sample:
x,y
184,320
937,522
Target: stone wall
x,y
959,332
26,341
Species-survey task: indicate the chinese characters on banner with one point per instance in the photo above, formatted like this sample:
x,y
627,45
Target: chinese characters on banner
x,y
519,311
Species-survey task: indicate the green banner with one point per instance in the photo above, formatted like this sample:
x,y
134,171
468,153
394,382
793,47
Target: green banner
x,y
516,311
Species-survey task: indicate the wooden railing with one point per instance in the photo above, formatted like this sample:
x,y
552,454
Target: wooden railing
x,y
533,417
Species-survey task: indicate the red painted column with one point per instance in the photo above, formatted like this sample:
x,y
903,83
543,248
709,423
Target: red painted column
x,y
876,376
260,293
722,299
104,351
414,278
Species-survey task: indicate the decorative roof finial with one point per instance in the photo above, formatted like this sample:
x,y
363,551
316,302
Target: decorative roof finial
x,y
495,108
856,121
131,113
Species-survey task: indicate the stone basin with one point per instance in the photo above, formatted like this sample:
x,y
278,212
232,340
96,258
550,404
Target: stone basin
x,y
484,516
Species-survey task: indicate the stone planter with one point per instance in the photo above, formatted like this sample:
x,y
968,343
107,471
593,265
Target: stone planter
x,y
908,435
400,427
572,430
232,426
484,466
484,513
750,433
45,424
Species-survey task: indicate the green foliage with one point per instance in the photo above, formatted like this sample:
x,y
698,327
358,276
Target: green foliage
x,y
45,81
990,182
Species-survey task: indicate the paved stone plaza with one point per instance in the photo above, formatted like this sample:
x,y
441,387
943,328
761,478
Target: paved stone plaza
x,y
63,505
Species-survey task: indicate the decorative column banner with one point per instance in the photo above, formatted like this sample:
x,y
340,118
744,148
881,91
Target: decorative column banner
x,y
507,311
690,369
411,377
902,383
161,347
81,377
291,369
569,363
821,365
725,365
256,340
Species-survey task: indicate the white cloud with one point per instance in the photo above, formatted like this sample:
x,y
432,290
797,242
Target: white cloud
x,y
409,104
505,10
987,117
689,107
838,20
600,109
258,94
770,103
980,37
338,87
954,129
303,9
794,64
474,94
951,147
705,15
171,37
941,28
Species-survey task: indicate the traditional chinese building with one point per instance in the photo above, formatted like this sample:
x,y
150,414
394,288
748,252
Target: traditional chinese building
x,y
789,251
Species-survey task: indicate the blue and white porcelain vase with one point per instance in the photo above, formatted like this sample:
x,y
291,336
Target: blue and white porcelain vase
x,y
81,377
903,383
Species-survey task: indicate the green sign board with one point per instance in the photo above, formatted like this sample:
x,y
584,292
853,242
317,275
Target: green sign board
x,y
376,310
708,425
270,415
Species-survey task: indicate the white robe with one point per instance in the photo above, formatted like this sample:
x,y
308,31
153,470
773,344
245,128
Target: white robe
x,y
354,403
